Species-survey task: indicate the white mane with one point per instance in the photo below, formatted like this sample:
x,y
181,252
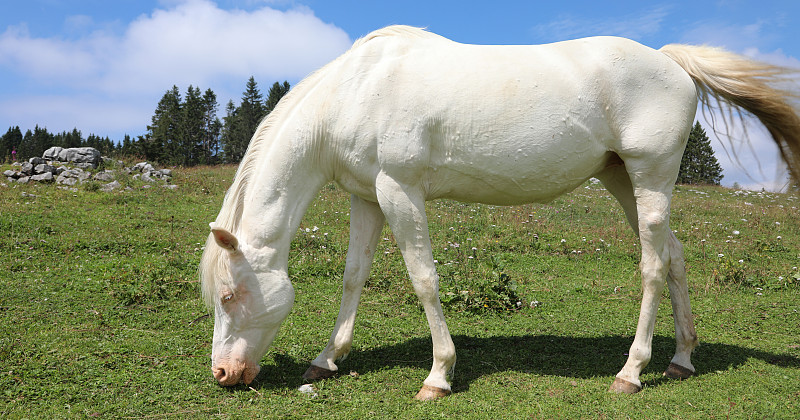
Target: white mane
x,y
213,267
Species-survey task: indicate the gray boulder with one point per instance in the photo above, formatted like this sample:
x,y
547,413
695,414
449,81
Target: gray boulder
x,y
82,156
143,167
44,168
71,177
64,180
27,168
105,176
43,177
52,153
10,174
111,186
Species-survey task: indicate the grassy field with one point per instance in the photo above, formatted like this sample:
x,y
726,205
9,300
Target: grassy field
x,y
100,314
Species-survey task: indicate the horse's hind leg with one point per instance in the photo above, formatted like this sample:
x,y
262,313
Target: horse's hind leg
x,y
685,336
617,181
366,223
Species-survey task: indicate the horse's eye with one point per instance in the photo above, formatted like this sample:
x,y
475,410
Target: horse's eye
x,y
227,298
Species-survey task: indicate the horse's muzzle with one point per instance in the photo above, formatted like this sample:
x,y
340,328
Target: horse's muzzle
x,y
235,373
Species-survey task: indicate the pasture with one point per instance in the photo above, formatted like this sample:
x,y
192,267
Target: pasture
x,y
100,312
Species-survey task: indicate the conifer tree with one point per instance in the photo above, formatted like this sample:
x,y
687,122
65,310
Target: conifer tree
x,y
699,165
192,130
10,141
231,148
242,122
162,136
212,127
276,92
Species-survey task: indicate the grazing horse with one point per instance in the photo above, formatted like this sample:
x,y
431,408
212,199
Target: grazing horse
x,y
407,116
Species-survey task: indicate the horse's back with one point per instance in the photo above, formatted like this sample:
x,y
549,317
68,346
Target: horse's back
x,y
502,124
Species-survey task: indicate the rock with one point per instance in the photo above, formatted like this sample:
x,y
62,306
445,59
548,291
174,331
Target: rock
x,y
147,178
60,170
81,156
27,168
72,176
11,174
167,172
43,177
111,186
42,168
64,180
23,180
143,167
52,153
37,161
171,187
85,165
105,176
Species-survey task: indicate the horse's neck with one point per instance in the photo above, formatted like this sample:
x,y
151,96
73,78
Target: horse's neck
x,y
283,186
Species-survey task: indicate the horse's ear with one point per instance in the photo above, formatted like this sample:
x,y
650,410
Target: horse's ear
x,y
224,238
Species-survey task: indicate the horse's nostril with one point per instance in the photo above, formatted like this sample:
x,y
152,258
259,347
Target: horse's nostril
x,y
219,374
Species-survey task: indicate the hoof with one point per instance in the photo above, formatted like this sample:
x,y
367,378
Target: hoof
x,y
430,393
678,372
621,386
315,373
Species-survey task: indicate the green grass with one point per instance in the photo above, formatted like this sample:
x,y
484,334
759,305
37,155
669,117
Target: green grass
x,y
100,313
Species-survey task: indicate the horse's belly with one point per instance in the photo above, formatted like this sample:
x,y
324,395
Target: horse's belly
x,y
512,180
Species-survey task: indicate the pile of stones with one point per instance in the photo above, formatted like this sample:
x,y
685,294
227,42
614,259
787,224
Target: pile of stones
x,y
69,167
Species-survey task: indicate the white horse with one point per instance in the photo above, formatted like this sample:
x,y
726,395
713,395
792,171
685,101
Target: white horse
x,y
407,116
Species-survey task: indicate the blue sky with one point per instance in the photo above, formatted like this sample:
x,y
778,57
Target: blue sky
x,y
101,66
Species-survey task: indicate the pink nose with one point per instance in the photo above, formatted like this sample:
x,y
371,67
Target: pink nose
x,y
234,373
226,377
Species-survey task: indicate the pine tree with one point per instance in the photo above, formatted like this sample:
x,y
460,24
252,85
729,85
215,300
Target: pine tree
x,y
10,141
212,127
34,143
699,165
161,140
230,145
276,92
241,122
191,134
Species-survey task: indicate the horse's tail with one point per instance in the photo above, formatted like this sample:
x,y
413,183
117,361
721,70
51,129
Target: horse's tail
x,y
760,89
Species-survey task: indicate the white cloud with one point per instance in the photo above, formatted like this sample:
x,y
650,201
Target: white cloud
x,y
111,74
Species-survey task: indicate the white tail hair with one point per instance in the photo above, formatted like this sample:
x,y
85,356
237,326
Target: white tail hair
x,y
738,83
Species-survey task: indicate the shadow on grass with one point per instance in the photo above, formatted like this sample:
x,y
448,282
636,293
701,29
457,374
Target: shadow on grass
x,y
577,357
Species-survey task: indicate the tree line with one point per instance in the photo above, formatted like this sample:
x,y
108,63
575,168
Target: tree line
x,y
185,130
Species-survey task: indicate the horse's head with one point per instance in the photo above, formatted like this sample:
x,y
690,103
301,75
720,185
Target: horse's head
x,y
249,306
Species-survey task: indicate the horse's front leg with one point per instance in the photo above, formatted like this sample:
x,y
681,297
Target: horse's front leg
x,y
404,207
366,222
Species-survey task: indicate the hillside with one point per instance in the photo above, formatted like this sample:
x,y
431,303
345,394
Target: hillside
x,y
100,313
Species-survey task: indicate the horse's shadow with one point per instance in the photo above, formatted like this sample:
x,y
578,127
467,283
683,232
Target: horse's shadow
x,y
576,357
